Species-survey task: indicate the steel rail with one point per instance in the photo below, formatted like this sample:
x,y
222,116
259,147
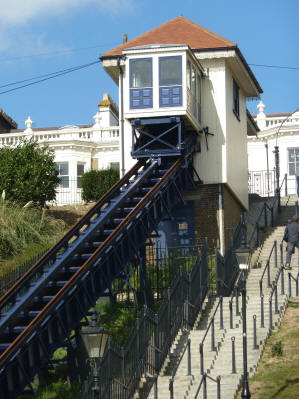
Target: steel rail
x,y
71,233
50,305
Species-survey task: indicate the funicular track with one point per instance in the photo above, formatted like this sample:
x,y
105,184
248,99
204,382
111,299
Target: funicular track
x,y
38,313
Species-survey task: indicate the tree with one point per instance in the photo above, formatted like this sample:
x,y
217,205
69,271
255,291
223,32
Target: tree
x,y
95,183
28,173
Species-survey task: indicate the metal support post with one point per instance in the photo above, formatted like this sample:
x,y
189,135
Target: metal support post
x,y
237,301
233,356
201,359
268,274
275,254
221,313
265,214
281,254
297,285
189,357
171,388
155,386
255,345
245,390
218,387
282,281
230,314
286,185
290,285
213,348
262,312
276,299
205,386
270,314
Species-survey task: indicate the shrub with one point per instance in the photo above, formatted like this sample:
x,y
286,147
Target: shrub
x,y
28,173
96,183
20,226
277,349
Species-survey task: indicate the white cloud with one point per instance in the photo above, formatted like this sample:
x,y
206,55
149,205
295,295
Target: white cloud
x,y
19,12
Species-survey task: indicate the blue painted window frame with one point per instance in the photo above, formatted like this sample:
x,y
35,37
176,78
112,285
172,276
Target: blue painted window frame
x,y
171,95
141,97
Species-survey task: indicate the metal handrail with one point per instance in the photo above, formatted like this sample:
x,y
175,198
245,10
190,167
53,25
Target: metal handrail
x,y
203,382
171,380
267,267
211,324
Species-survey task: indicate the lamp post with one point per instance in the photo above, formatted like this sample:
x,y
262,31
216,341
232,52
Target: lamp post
x,y
95,339
243,257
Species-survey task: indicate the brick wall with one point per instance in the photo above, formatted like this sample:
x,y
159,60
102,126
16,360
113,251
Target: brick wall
x,y
206,213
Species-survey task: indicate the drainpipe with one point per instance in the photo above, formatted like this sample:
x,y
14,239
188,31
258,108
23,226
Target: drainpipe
x,y
121,117
220,220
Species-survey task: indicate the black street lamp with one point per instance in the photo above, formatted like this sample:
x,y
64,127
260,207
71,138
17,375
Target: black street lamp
x,y
95,339
243,258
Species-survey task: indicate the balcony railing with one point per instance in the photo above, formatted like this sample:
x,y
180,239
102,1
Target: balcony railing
x,y
90,134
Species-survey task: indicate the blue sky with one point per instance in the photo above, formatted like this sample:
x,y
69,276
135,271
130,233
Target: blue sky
x,y
38,37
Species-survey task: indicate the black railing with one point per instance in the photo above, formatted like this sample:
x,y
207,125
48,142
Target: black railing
x,y
171,380
203,384
267,267
145,351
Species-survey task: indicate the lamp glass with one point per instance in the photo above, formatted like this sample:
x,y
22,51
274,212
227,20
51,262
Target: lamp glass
x,y
95,341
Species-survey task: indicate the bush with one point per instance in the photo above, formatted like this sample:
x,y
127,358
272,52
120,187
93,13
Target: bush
x,y
20,226
28,173
96,183
276,349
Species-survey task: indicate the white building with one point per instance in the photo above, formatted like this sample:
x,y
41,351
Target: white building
x,y
77,148
184,72
276,130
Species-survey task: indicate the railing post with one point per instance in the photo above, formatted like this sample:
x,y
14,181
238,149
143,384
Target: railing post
x,y
230,314
201,358
155,386
286,184
189,357
265,214
290,285
275,253
171,388
270,314
268,274
233,356
237,301
255,345
276,299
262,312
213,348
282,280
261,287
297,284
272,215
205,386
296,208
221,313
218,387
281,254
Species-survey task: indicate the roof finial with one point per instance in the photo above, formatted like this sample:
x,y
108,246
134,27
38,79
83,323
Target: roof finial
x,y
28,123
261,106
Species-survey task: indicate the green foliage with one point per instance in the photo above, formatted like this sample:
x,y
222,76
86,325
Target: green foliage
x,y
28,173
20,226
276,349
96,183
118,319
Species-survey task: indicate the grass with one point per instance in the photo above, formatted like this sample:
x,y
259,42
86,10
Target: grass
x,y
277,375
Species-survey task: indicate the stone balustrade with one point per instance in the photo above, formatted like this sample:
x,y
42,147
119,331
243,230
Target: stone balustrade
x,y
67,134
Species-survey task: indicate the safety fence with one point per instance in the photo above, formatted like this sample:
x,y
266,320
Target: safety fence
x,y
122,368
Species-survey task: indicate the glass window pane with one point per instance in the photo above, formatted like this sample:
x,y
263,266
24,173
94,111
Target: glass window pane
x,y
170,71
291,154
291,168
62,168
193,81
189,75
198,88
141,73
80,169
64,181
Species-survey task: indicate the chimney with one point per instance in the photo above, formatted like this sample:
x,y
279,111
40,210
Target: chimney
x,y
125,38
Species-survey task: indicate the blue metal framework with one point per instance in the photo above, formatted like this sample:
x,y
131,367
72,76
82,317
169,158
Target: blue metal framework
x,y
38,313
156,137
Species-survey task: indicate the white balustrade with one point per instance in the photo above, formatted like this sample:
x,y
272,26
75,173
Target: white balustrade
x,y
104,135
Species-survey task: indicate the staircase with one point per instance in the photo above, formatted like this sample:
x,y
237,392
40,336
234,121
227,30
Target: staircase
x,y
219,361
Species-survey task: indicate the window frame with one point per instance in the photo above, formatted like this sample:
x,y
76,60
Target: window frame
x,y
295,162
64,178
142,94
170,95
79,185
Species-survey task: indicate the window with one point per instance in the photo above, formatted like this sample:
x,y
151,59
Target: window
x,y
236,99
170,81
293,160
80,172
194,92
141,82
63,173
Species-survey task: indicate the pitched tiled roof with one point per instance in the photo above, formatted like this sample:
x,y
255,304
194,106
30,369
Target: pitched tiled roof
x,y
179,30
